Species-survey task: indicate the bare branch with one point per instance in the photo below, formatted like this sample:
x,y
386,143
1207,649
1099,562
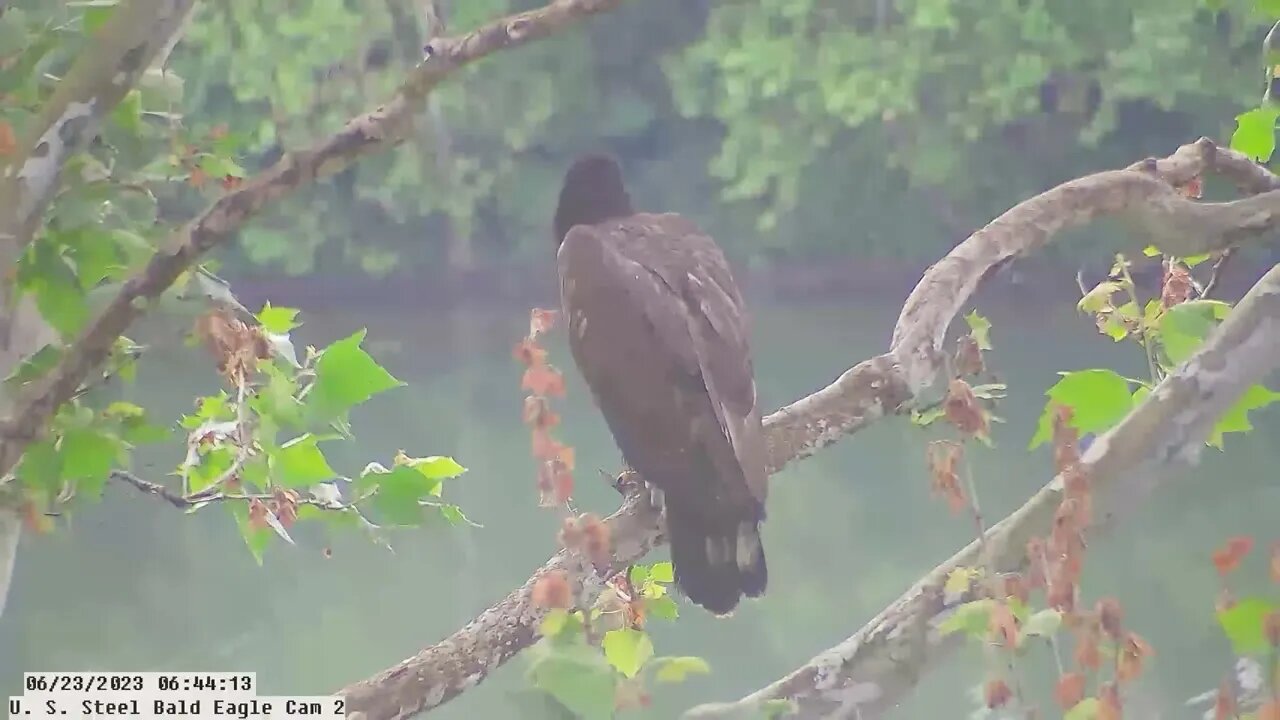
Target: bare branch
x,y
874,388
379,129
871,671
135,35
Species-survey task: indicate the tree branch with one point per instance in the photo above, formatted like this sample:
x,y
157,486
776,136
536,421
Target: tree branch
x,y
132,39
874,388
872,670
134,36
379,129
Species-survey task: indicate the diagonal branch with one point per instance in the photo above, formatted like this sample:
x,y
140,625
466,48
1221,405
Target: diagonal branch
x,y
379,129
871,671
874,388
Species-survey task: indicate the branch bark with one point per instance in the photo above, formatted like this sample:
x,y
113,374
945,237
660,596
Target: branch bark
x,y
130,41
379,129
137,34
870,672
874,388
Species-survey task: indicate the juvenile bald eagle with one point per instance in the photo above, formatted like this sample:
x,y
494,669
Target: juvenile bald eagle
x,y
658,330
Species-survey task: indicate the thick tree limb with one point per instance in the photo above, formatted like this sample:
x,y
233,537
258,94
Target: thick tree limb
x,y
872,670
376,130
138,32
874,388
135,35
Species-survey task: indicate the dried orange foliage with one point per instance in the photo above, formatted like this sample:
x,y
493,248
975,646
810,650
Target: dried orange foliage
x,y
1224,705
552,591
1275,562
1059,561
258,514
631,695
962,409
284,504
8,141
34,520
630,602
1228,557
1002,626
235,346
543,381
1270,710
969,356
1069,690
944,472
1132,655
1271,628
1193,188
1109,706
1177,286
587,534
996,693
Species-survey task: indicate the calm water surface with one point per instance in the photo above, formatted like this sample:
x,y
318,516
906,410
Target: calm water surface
x,y
134,584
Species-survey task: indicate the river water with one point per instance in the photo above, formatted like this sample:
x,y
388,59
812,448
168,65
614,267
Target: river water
x,y
134,584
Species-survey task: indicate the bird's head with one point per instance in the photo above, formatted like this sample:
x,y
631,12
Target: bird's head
x,y
593,192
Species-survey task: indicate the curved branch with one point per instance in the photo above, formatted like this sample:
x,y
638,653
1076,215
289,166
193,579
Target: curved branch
x,y
872,670
874,388
379,129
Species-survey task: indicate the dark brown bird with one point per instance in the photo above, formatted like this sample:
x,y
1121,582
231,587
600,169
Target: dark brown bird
x,y
658,330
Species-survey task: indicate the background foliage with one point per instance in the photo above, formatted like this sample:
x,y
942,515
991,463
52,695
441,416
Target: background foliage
x,y
878,108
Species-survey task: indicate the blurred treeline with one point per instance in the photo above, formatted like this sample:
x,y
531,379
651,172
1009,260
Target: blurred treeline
x,y
806,130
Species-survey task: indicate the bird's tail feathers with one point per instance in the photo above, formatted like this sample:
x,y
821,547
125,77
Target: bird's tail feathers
x,y
716,563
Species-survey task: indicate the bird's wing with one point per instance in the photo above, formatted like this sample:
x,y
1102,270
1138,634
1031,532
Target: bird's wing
x,y
695,306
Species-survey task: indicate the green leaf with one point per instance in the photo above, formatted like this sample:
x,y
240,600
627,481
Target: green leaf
x,y
213,463
1186,325
980,329
627,649
87,457
256,539
662,607
299,463
553,623
1268,7
1243,625
436,467
1099,297
35,365
219,166
399,492
676,669
278,320
662,572
346,376
1086,709
1098,399
1044,623
41,467
1255,133
1236,419
97,13
576,676
971,618
128,113
453,515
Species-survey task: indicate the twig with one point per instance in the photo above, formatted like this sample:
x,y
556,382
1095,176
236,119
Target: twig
x,y
1215,274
